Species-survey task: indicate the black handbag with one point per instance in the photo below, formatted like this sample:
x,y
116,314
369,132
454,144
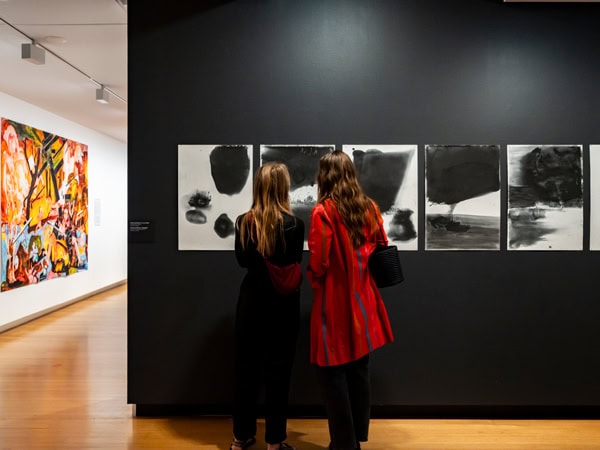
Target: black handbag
x,y
385,267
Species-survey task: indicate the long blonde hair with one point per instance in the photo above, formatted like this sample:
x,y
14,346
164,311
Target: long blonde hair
x,y
263,223
337,180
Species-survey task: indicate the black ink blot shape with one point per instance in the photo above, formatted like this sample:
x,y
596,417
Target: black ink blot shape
x,y
230,168
401,227
302,162
447,223
195,216
525,233
554,175
381,174
224,226
200,199
457,173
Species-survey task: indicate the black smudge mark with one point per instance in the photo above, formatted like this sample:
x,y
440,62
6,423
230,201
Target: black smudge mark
x,y
200,199
224,226
457,173
551,175
381,174
302,161
401,227
230,168
195,216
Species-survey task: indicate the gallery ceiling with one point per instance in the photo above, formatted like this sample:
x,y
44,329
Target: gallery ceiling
x,y
86,46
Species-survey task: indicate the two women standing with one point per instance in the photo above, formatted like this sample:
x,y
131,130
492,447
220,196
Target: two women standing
x,y
348,318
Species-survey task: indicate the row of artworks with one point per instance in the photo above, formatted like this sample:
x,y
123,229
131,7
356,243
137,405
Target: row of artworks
x,y
44,203
462,193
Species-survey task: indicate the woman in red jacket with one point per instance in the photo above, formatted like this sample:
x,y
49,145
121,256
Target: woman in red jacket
x,y
348,319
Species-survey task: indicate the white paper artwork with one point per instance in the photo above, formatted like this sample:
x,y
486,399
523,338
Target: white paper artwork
x,y
215,186
545,197
388,174
302,162
594,197
462,192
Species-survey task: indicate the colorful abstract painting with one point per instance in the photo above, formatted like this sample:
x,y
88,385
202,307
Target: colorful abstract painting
x,y
44,205
462,192
388,174
545,197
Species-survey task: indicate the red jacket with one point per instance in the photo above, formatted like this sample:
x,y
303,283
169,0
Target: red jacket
x,y
348,318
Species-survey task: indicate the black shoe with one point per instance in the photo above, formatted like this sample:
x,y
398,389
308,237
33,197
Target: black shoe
x,y
242,444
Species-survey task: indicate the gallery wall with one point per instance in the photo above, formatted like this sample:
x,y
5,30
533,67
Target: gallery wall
x,y
477,332
107,236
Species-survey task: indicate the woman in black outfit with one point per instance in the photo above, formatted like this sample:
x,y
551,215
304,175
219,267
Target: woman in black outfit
x,y
266,323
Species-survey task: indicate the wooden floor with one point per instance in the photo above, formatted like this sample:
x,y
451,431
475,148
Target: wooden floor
x,y
63,386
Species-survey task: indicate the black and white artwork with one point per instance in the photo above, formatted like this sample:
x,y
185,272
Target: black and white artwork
x,y
215,186
302,162
389,175
595,197
462,192
545,197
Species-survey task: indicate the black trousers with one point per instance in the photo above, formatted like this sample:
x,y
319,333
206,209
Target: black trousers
x,y
346,391
266,331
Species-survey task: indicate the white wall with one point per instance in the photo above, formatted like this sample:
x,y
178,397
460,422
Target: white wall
x,y
107,240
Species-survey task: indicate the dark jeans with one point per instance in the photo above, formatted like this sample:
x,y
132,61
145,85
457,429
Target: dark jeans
x,y
346,391
266,330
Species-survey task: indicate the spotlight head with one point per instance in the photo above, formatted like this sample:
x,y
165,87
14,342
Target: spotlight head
x,y
33,54
102,95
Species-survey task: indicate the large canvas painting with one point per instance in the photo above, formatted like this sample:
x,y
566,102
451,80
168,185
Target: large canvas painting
x,y
462,197
44,205
545,197
388,174
302,162
594,197
215,186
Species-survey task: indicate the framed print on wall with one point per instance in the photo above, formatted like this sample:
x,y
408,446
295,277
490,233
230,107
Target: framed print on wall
x,y
214,187
302,162
389,175
545,197
462,191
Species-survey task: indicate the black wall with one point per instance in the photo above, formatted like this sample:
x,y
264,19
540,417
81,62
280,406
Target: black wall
x,y
476,332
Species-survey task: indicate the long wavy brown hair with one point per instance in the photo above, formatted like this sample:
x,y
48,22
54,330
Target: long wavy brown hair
x,y
263,224
337,180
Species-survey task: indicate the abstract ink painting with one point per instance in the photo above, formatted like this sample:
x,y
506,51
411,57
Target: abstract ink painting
x,y
462,197
388,174
215,186
44,205
545,197
595,197
302,162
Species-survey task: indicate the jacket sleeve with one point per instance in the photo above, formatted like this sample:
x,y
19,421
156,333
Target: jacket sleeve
x,y
319,243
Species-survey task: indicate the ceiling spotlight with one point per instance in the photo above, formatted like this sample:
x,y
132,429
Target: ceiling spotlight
x,y
101,95
33,53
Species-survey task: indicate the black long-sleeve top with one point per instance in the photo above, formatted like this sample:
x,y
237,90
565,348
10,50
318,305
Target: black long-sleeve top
x,y
287,251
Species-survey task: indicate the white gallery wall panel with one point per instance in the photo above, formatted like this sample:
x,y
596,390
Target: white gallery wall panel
x,y
107,245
